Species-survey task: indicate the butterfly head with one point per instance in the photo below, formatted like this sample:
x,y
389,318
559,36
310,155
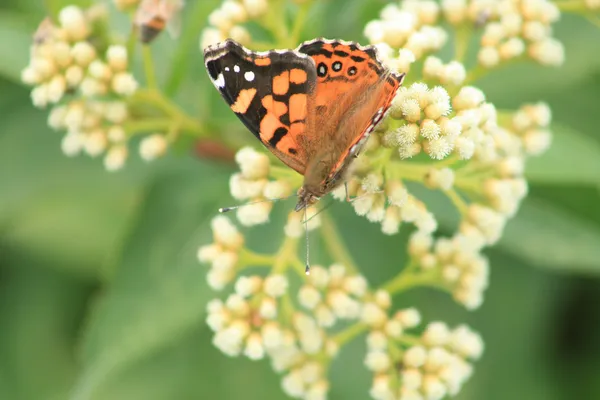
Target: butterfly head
x,y
306,198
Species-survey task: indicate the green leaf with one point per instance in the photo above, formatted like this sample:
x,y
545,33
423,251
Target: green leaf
x,y
16,31
573,159
159,290
40,310
552,237
69,209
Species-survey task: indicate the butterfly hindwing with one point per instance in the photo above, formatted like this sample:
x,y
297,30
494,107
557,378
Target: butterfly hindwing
x,y
269,93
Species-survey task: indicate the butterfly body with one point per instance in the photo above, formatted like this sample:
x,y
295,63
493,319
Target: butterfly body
x,y
312,107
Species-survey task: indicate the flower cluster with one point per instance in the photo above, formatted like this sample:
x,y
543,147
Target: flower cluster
x,y
252,184
332,295
226,21
430,366
411,26
260,320
531,123
87,87
511,28
223,254
84,76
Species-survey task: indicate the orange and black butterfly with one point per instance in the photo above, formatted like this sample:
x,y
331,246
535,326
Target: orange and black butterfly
x,y
152,16
312,107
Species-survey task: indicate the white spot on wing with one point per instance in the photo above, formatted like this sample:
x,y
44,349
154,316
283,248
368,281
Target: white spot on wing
x,y
236,68
226,69
249,76
220,81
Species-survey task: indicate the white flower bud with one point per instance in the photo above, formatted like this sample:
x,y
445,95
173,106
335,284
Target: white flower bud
x,y
116,56
72,20
115,158
83,53
124,83
152,147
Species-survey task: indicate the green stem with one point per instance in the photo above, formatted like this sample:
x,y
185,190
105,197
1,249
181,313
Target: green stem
x,y
156,99
299,21
250,259
274,22
349,333
476,74
572,6
461,42
149,67
285,255
147,125
410,171
131,42
409,340
336,247
458,201
408,279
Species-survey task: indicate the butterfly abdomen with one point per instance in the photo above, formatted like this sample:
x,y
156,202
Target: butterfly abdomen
x,y
151,29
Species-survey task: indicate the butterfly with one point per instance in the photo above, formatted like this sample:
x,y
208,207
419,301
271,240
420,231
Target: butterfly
x,y
313,107
152,16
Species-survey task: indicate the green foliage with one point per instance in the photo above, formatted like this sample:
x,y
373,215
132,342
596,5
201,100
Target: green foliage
x,y
101,295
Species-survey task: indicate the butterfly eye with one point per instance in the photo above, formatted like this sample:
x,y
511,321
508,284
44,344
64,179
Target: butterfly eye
x,y
352,70
336,66
321,69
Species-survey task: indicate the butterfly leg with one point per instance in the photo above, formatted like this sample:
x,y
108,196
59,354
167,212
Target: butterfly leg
x,y
351,199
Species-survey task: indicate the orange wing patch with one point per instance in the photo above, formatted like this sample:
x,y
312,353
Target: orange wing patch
x,y
281,83
243,100
297,107
298,76
274,107
262,61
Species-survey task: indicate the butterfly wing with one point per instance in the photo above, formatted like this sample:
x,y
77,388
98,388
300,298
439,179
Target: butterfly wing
x,y
353,92
268,92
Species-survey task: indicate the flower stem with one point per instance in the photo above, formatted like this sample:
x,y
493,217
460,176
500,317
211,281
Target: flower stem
x,y
250,259
461,42
573,6
349,333
285,255
408,279
335,245
149,67
476,74
457,200
147,125
299,21
156,99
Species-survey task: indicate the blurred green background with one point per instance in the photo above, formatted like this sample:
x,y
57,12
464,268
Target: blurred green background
x,y
101,294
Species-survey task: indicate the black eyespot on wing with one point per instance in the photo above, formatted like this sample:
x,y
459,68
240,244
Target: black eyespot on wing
x,y
352,70
336,66
322,70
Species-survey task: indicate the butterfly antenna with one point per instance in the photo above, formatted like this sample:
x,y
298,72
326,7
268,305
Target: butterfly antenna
x,y
227,209
307,269
322,209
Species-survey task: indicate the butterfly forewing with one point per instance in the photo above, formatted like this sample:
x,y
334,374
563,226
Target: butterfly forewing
x,y
269,92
